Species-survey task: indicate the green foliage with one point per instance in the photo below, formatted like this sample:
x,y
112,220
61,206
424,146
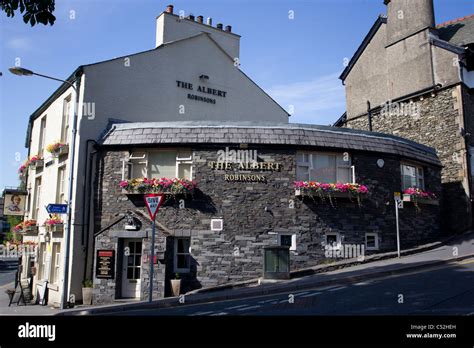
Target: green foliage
x,y
176,275
34,11
87,283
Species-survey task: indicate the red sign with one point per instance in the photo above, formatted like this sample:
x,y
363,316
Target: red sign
x,y
153,202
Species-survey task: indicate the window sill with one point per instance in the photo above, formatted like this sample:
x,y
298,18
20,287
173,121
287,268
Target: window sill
x,y
53,287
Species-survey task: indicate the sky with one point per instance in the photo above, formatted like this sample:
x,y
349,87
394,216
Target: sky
x,y
294,49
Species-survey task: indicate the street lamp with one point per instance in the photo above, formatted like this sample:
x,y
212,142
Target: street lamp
x,y
25,72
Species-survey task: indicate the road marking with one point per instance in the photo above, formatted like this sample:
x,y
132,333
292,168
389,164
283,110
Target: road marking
x,y
310,295
338,288
465,262
248,308
201,313
266,301
217,314
236,307
301,293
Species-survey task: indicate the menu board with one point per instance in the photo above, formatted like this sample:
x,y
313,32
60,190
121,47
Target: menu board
x,y
105,265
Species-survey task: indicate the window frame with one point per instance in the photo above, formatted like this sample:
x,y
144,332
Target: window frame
x,y
145,160
293,240
338,167
175,258
61,185
36,198
376,238
42,136
65,119
417,167
56,262
338,240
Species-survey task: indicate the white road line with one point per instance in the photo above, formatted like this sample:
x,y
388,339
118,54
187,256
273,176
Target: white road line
x,y
201,313
301,293
248,308
266,301
310,295
338,288
236,307
221,313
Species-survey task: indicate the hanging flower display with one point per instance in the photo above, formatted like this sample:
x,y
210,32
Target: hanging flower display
x,y
330,191
55,147
54,220
24,226
418,193
163,185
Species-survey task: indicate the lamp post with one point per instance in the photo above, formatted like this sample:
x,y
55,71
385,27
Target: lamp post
x,y
25,72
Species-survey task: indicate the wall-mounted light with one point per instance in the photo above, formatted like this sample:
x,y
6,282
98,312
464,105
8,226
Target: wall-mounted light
x,y
47,238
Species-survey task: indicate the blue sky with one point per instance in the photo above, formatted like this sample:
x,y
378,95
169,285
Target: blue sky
x,y
297,61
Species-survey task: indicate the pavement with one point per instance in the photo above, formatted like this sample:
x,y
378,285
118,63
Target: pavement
x,y
456,250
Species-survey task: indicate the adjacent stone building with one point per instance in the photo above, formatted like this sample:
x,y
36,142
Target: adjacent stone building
x,y
216,233
414,79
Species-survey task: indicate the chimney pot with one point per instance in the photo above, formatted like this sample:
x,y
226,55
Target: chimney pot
x,y
209,21
169,9
228,28
191,17
219,26
200,19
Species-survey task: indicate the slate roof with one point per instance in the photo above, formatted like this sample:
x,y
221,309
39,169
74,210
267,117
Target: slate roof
x,y
458,32
289,134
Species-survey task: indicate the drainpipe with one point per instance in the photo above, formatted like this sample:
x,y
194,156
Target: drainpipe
x,y
86,205
369,115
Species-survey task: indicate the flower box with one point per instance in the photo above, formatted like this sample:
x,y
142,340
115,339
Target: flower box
x,y
30,230
58,149
57,228
165,186
37,164
411,198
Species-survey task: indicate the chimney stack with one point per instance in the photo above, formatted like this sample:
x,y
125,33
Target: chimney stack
x,y
200,19
219,26
191,17
209,21
169,9
228,28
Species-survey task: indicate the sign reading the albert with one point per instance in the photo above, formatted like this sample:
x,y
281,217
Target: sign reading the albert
x,y
105,265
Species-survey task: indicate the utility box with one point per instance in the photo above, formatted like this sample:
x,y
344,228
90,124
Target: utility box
x,y
276,262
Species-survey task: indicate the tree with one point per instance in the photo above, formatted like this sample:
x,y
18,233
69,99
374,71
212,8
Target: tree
x,y
34,11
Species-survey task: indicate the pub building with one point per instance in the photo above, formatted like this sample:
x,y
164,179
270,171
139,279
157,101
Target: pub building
x,y
244,186
184,120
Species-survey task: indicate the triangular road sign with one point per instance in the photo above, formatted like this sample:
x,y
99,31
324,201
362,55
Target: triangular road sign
x,y
153,202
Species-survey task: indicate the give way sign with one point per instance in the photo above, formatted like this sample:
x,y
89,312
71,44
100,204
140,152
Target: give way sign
x,y
153,202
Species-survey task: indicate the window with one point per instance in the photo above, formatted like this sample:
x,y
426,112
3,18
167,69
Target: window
x,y
182,255
371,241
323,167
42,261
42,136
161,164
412,176
61,185
288,240
36,199
65,120
56,262
333,239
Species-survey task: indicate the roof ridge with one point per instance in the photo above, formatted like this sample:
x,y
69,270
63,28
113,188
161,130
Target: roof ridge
x,y
453,21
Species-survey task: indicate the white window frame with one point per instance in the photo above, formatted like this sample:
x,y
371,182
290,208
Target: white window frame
x,y
55,274
338,239
310,161
293,240
175,264
144,160
42,260
417,175
61,185
376,237
36,198
221,221
65,119
42,136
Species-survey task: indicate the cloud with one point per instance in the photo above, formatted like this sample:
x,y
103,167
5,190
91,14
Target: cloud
x,y
19,43
320,100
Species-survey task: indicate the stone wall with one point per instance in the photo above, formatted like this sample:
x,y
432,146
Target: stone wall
x,y
254,213
434,121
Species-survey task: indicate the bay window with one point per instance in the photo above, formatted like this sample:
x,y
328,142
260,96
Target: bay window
x,y
412,176
161,164
324,167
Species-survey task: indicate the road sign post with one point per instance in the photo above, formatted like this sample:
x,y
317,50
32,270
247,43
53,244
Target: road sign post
x,y
398,205
153,202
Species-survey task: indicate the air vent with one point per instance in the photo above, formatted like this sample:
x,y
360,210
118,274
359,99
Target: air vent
x,y
217,224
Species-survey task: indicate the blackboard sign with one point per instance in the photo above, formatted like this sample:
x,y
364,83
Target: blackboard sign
x,y
105,265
